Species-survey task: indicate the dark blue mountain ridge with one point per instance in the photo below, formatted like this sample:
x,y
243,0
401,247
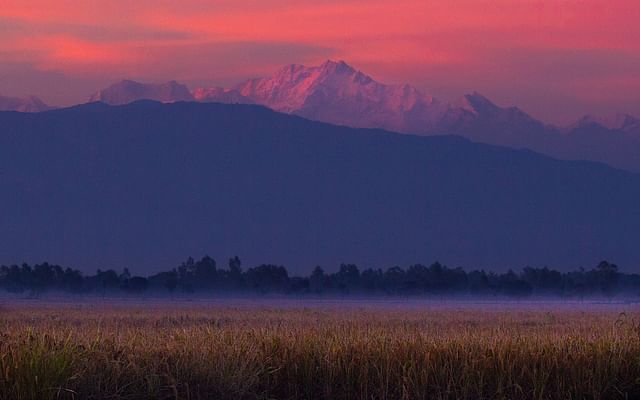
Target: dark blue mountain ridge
x,y
146,184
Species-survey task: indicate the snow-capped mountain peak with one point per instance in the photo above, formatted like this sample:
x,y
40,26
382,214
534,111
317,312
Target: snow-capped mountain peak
x,y
338,93
220,95
330,67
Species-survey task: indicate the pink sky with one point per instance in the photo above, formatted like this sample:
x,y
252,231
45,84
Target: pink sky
x,y
555,59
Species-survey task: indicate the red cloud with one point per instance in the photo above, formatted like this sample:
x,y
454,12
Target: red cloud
x,y
464,45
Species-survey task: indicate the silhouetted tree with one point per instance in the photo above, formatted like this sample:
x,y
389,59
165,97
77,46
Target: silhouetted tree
x,y
138,284
513,286
544,280
479,283
235,272
372,280
204,273
316,280
437,279
348,278
607,275
394,280
107,280
72,280
13,279
266,278
171,281
417,278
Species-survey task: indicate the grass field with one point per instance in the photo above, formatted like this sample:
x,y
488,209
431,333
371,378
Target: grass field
x,y
319,350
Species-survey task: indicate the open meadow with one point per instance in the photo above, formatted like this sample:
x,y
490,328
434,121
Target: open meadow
x,y
318,350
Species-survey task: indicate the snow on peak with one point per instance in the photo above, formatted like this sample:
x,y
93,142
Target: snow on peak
x,y
478,104
337,93
220,95
339,67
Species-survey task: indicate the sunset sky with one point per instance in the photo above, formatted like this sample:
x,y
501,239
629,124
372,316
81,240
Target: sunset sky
x,y
555,59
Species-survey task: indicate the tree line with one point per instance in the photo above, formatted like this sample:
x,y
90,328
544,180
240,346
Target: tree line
x,y
205,277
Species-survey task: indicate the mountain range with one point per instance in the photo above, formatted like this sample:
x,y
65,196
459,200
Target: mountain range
x,y
144,185
28,104
128,91
620,122
336,93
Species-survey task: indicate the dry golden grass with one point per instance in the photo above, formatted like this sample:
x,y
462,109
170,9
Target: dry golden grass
x,y
323,351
